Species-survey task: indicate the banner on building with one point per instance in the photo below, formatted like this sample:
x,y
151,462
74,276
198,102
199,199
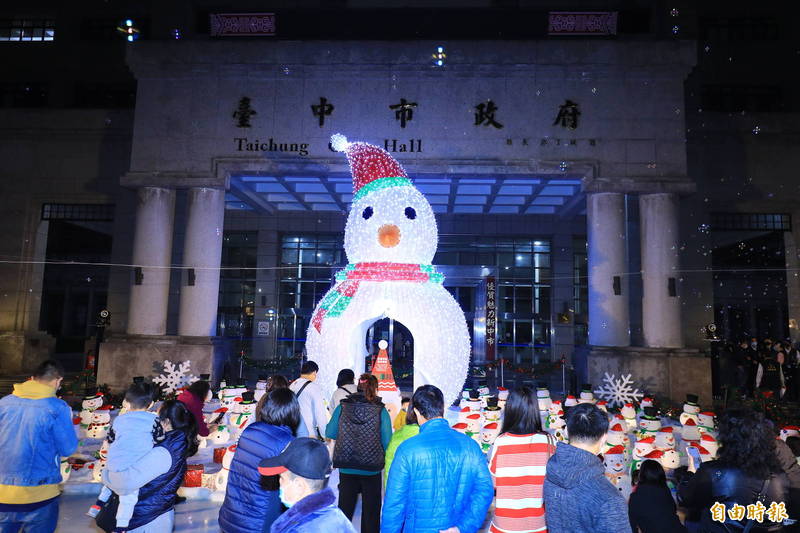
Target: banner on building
x,y
491,318
582,23
242,24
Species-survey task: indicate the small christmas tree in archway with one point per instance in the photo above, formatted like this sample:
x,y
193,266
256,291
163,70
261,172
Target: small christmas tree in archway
x,y
387,388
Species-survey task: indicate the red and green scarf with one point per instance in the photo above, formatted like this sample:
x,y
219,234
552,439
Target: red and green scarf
x,y
348,280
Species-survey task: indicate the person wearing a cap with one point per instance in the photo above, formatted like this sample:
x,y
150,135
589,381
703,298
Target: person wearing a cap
x,y
194,398
304,467
250,504
439,480
37,431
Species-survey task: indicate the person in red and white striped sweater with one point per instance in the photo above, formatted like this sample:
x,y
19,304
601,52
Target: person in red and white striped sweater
x,y
517,463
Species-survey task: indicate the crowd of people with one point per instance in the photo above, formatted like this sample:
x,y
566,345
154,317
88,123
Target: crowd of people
x,y
413,474
755,367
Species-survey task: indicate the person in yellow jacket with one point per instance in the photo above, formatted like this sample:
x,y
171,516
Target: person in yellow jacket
x,y
409,429
36,432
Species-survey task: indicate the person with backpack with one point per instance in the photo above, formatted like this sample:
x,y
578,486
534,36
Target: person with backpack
x,y
345,386
362,428
309,395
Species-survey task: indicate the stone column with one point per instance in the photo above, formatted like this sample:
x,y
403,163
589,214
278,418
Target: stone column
x,y
152,251
609,314
661,307
202,255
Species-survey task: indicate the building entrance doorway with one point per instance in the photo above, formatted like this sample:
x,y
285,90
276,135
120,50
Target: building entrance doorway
x,y
401,350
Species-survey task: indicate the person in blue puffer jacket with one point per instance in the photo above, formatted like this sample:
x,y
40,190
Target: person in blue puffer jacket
x,y
159,474
252,503
439,479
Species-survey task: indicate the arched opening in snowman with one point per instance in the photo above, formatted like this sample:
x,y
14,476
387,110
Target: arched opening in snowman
x,y
400,350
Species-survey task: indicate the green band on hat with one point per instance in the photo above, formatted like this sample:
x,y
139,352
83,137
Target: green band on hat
x,y
381,183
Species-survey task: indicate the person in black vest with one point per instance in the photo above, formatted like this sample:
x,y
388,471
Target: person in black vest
x,y
651,508
362,428
159,474
770,375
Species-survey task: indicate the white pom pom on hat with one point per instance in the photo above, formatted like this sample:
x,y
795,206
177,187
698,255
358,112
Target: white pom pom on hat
x,y
339,142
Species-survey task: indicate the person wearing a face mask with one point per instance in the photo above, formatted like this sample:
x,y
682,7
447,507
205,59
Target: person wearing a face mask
x,y
304,467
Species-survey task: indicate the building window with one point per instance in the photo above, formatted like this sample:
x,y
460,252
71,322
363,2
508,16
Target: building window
x,y
523,282
24,30
737,98
751,221
87,212
580,311
105,95
237,288
739,29
308,263
24,94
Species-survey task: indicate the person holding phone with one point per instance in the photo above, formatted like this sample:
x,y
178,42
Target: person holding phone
x,y
746,471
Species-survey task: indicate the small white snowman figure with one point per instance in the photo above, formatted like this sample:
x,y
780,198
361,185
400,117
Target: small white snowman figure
x,y
245,414
261,388
789,431
708,442
221,480
628,412
690,432
707,422
647,401
93,400
615,470
557,426
555,407
489,433
474,422
691,410
483,394
463,413
474,403
586,395
65,469
603,406
99,424
649,423
670,459
502,397
640,450
390,239
492,413
570,401
543,398
665,440
219,436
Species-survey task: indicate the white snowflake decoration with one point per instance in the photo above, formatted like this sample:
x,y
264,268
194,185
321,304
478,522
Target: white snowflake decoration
x,y
175,377
618,391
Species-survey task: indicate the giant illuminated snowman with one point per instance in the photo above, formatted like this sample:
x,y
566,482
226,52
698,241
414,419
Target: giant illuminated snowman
x,y
390,240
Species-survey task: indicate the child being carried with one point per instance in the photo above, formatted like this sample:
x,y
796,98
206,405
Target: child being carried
x,y
131,436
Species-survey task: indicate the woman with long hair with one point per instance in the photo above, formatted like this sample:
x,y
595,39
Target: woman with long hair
x,y
250,503
194,397
651,508
159,474
517,463
362,428
746,470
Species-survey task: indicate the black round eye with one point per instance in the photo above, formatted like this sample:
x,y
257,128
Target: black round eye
x,y
411,213
367,213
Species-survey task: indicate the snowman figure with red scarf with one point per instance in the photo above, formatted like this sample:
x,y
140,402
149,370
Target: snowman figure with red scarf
x,y
390,240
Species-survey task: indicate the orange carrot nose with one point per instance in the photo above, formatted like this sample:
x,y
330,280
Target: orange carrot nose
x,y
389,235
